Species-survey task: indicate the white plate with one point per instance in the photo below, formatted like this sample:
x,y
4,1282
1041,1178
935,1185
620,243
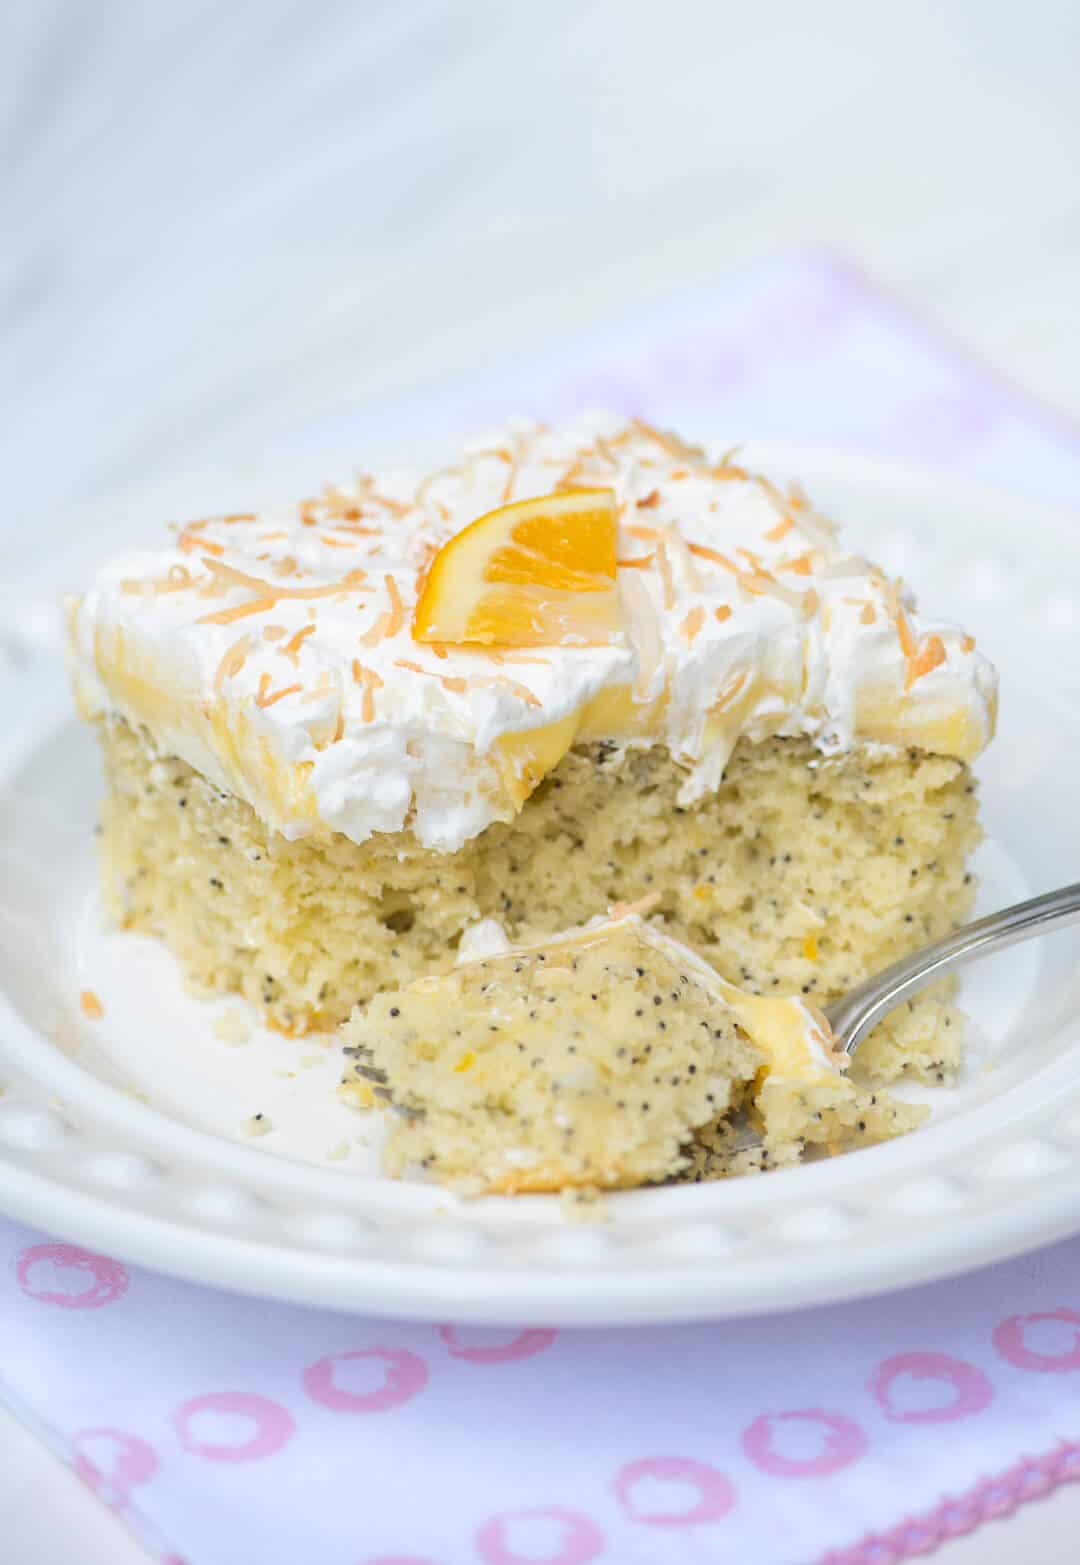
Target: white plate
x,y
126,1135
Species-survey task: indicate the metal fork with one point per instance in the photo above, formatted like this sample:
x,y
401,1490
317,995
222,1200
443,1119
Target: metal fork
x,y
854,1014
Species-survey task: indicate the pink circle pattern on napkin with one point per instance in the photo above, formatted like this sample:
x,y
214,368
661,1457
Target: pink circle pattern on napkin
x,y
581,1539
971,1390
134,1462
273,1425
108,1280
715,1492
1010,1344
405,1377
843,1442
522,1346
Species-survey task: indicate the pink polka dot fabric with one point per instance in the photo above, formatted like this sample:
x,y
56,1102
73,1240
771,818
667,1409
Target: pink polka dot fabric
x,y
225,1430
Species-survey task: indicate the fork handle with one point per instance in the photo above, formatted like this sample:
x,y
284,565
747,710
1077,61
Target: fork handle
x,y
852,1016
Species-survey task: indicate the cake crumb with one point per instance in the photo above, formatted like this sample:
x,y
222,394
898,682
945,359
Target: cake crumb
x,y
232,1027
91,1006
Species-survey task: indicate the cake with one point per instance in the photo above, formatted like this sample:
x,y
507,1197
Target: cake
x,y
611,1055
337,735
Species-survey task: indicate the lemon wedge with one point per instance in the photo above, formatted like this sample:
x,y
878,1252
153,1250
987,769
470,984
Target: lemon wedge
x,y
532,574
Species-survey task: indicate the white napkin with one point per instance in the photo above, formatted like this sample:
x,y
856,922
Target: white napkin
x,y
248,1433
229,1431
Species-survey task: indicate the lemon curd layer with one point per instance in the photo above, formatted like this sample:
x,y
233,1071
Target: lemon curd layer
x,y
275,654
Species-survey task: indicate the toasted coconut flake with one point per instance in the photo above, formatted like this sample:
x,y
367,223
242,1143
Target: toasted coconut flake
x,y
291,649
421,495
371,682
680,553
930,655
522,692
781,530
241,611
351,582
397,608
692,624
727,467
270,593
572,476
438,648
810,604
663,565
650,500
376,632
191,538
730,691
868,615
703,552
323,686
395,507
274,632
232,662
264,697
639,562
967,644
668,441
798,565
455,684
722,612
91,1006
340,505
333,542
646,534
907,640
757,564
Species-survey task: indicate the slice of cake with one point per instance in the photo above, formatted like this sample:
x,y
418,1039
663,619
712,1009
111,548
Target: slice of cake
x,y
591,1059
577,667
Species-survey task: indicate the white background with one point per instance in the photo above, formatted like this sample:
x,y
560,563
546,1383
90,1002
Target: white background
x,y
223,221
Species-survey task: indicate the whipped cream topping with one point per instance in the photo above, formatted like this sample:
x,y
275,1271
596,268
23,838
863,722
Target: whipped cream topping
x,y
274,653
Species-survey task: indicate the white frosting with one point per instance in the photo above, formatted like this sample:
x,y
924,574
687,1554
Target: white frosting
x,y
801,639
